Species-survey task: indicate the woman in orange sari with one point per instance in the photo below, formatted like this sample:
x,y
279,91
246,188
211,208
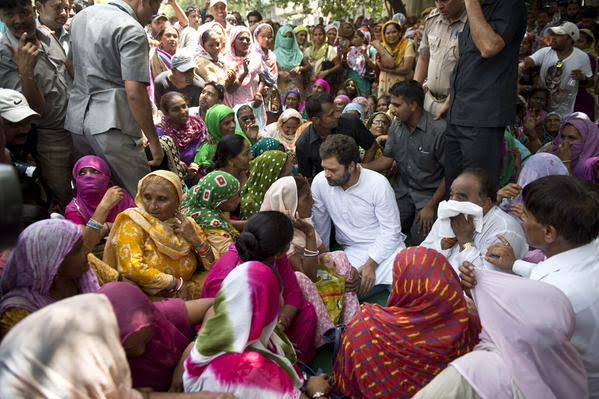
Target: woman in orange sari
x,y
396,57
392,352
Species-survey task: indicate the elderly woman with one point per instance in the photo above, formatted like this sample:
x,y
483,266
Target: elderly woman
x,y
48,264
284,130
207,203
264,171
154,246
310,259
220,121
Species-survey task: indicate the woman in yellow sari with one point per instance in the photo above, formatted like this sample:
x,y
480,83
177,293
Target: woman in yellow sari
x,y
155,247
396,57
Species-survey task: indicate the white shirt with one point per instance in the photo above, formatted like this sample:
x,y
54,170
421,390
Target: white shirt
x,y
495,223
576,274
366,220
562,87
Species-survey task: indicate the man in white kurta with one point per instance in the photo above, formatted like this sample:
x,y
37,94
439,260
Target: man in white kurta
x,y
366,220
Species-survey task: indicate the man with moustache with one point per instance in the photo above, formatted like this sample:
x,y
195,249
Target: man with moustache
x,y
53,14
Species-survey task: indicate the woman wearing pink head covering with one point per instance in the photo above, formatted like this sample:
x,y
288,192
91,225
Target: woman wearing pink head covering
x,y
321,86
577,141
48,264
242,60
525,349
95,200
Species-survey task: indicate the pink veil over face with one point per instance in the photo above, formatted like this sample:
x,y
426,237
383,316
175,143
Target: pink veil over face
x,y
530,324
90,189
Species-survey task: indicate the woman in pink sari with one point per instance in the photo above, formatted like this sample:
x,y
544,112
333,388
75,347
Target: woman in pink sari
x,y
243,60
292,196
266,239
95,199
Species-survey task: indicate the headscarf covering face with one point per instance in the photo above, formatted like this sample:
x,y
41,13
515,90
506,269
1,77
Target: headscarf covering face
x,y
324,84
529,324
90,189
34,263
246,311
589,147
69,349
289,54
264,171
266,144
203,201
134,312
354,107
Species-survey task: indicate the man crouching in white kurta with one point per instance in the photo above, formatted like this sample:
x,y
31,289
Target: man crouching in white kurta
x,y
361,204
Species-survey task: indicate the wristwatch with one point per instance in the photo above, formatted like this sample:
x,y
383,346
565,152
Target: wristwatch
x,y
319,395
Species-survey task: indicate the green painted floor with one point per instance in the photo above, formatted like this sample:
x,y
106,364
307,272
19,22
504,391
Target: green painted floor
x,y
324,354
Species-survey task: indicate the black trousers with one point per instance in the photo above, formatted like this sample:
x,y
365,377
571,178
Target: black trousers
x,y
472,147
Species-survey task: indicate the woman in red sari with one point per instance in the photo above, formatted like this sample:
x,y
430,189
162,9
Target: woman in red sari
x,y
394,351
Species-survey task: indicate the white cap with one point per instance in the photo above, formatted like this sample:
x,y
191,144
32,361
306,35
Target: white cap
x,y
182,61
14,106
215,2
567,29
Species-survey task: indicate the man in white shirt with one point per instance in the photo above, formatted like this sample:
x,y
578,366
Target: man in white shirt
x,y
563,67
474,186
361,204
561,219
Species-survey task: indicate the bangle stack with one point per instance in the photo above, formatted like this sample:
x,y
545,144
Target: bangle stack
x,y
177,284
92,224
309,253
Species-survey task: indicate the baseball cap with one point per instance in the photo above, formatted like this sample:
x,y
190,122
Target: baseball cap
x,y
14,106
567,29
159,16
182,61
215,2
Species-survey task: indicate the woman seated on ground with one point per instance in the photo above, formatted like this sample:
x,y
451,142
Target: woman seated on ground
x,y
155,335
247,126
284,130
321,86
293,100
525,349
154,246
233,156
266,239
47,264
577,141
209,54
354,110
95,200
266,144
379,124
253,359
264,171
208,202
392,352
341,102
220,120
86,360
188,132
293,197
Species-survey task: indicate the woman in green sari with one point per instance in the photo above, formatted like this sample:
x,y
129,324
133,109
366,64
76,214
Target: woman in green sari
x,y
220,121
207,202
264,171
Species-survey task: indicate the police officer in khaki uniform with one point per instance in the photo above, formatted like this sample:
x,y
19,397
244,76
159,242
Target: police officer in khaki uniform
x,y
439,51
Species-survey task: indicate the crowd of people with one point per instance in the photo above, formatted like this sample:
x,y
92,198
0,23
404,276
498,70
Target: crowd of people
x,y
209,202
